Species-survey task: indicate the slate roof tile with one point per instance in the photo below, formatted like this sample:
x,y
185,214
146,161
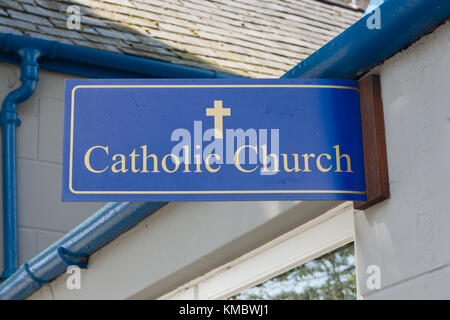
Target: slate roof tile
x,y
253,38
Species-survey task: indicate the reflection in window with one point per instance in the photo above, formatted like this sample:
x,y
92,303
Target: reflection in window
x,y
329,277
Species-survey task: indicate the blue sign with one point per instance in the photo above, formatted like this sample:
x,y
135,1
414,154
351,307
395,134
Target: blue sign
x,y
212,140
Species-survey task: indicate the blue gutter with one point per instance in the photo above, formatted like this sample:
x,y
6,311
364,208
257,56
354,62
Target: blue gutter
x,y
32,53
93,63
76,246
335,60
358,49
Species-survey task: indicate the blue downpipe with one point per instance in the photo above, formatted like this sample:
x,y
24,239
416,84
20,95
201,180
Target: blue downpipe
x,y
9,121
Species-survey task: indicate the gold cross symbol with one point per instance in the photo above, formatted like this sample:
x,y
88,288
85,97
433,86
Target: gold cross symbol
x,y
218,113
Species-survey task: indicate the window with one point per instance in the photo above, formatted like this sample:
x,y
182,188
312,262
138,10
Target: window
x,y
329,277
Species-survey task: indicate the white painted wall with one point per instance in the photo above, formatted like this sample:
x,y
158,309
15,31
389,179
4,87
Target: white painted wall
x,y
408,236
43,217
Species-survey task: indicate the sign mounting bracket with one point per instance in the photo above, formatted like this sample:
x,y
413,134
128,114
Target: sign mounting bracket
x,y
374,143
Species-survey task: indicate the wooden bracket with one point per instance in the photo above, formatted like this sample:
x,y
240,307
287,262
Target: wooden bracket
x,y
374,142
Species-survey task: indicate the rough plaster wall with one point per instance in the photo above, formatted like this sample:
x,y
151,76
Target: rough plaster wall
x,y
43,217
408,236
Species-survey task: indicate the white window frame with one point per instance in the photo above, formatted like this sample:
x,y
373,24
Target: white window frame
x,y
315,238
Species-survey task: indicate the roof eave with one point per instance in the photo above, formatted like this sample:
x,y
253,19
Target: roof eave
x,y
359,49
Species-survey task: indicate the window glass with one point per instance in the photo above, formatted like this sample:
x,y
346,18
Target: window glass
x,y
329,277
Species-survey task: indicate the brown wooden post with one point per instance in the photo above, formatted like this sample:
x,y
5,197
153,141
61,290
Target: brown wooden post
x,y
374,142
